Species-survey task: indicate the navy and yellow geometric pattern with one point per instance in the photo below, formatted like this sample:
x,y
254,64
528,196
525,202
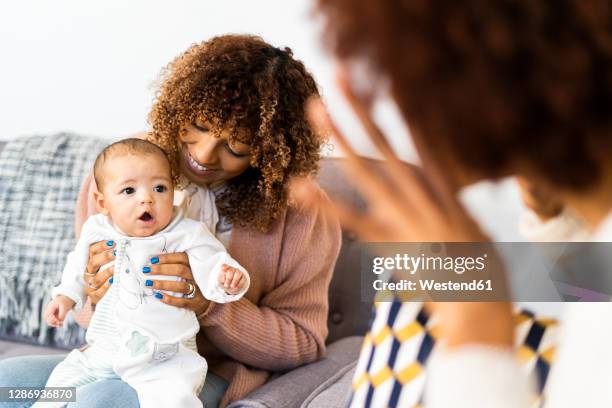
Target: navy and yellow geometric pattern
x,y
391,370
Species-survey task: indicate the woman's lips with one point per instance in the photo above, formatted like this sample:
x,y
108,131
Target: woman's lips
x,y
197,168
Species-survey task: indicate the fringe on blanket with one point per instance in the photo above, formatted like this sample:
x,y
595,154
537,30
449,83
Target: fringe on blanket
x,y
40,177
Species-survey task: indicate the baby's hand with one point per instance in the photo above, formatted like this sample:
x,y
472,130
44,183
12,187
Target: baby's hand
x,y
57,309
231,279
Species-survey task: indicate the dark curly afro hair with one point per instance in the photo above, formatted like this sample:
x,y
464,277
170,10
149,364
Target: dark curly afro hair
x,y
499,85
257,93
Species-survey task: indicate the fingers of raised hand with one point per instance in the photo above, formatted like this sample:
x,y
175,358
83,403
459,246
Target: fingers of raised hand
x,y
362,110
395,190
368,183
403,203
405,178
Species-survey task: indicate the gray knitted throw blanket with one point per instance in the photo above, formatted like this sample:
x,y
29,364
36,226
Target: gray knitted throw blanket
x,y
40,178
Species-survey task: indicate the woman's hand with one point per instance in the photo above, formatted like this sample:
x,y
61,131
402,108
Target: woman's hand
x,y
177,264
98,282
406,205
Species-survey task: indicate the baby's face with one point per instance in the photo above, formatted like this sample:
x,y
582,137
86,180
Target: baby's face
x,y
137,193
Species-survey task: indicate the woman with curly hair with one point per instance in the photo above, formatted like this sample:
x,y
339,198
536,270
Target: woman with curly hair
x,y
230,116
489,89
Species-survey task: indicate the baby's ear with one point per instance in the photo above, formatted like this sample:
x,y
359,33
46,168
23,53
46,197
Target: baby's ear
x,y
100,202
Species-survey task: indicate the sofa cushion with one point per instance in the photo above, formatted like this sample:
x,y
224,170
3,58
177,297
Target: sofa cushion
x,y
350,302
335,392
304,381
10,349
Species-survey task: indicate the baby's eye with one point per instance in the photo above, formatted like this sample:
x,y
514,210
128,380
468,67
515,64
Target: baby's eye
x,y
128,191
160,189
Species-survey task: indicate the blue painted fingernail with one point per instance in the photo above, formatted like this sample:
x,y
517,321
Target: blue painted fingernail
x,y
114,253
109,243
110,281
149,283
154,260
146,269
158,295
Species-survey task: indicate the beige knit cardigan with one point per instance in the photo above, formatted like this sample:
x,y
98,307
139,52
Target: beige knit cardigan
x,y
281,322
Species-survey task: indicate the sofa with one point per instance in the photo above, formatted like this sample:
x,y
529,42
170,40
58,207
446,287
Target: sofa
x,y
325,383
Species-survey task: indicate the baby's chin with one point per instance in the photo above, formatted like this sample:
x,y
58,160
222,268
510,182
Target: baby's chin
x,y
142,231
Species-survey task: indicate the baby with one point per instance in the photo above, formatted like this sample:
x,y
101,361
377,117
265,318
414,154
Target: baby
x,y
133,335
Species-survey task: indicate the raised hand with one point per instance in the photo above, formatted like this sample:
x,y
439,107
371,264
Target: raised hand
x,y
408,204
404,203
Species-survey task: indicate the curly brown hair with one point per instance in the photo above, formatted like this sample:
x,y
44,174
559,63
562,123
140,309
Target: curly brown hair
x,y
496,85
257,93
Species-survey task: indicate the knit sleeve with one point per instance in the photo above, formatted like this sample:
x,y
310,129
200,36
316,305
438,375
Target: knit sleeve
x,y
85,205
289,325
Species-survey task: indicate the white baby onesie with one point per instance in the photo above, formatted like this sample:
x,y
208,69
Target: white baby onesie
x,y
133,335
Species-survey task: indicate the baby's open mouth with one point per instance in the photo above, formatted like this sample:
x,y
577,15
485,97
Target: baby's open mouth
x,y
146,216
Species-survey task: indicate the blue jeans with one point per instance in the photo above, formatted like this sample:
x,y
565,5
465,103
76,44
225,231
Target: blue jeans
x,y
33,371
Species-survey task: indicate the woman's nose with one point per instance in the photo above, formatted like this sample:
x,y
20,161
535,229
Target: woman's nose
x,y
205,152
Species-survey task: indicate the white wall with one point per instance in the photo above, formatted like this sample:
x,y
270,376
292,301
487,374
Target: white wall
x,y
89,67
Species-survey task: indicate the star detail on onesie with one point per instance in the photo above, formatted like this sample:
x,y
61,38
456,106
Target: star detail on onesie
x,y
137,344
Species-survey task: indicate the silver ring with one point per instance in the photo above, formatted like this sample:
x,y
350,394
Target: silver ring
x,y
89,274
192,291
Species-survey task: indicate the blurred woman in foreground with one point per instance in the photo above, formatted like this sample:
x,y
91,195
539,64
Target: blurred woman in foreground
x,y
488,89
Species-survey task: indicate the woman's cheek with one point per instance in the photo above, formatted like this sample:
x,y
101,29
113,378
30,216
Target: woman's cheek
x,y
238,166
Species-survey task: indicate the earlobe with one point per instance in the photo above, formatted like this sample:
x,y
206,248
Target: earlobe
x,y
100,203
